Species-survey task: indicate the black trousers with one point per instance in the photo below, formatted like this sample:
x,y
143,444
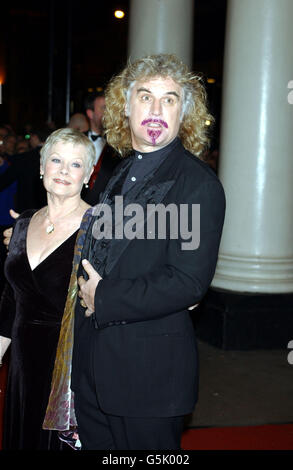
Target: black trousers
x,y
99,431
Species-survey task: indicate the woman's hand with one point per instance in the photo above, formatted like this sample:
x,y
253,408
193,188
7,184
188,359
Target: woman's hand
x,y
7,234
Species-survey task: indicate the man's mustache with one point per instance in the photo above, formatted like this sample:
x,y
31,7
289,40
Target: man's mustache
x,y
160,121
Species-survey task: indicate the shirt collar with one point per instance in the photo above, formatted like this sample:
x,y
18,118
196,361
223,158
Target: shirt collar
x,y
158,154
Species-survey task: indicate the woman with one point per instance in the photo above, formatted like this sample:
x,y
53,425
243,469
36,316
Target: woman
x,y
38,270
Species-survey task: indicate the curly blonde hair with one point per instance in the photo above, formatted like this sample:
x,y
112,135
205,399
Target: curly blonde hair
x,y
193,132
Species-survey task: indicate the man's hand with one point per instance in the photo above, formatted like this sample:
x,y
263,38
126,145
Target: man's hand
x,y
8,232
87,288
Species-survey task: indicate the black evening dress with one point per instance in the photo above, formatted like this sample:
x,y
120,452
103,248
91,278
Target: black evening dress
x,y
31,312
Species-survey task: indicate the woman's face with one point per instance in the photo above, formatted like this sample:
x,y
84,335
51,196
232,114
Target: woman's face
x,y
65,169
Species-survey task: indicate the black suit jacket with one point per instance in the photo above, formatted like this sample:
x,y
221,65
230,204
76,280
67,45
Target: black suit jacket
x,y
25,169
142,345
107,162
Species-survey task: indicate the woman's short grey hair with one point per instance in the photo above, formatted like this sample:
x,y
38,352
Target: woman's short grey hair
x,y
70,136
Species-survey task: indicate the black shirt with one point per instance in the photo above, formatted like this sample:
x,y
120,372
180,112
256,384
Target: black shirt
x,y
144,163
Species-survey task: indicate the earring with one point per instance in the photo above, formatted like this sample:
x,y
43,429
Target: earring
x,y
41,177
86,185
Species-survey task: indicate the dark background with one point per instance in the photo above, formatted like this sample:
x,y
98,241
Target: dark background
x,y
98,50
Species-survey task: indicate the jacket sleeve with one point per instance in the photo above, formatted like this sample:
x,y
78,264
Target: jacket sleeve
x,y
175,286
9,176
7,302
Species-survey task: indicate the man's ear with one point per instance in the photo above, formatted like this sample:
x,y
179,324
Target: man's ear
x,y
89,113
126,109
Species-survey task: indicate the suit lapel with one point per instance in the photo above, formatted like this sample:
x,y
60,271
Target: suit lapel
x,y
150,194
152,190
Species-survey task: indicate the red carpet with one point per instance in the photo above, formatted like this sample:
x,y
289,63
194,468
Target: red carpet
x,y
267,437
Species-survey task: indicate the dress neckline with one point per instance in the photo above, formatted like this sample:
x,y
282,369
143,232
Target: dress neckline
x,y
49,254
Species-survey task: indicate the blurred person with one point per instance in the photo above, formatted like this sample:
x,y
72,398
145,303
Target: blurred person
x,y
6,203
38,136
95,108
3,132
22,146
28,128
9,144
25,170
106,157
51,125
38,269
79,122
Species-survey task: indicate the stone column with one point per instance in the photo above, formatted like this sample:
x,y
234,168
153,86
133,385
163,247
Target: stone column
x,y
254,276
161,26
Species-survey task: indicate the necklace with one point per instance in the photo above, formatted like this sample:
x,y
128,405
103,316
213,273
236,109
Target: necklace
x,y
51,227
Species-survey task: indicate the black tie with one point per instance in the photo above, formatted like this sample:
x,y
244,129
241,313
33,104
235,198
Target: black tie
x,y
94,137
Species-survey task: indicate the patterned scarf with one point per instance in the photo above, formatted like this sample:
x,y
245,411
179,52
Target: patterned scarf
x,y
60,414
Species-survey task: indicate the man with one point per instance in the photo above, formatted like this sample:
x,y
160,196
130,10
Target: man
x,y
135,372
7,196
79,122
95,108
25,170
8,146
106,158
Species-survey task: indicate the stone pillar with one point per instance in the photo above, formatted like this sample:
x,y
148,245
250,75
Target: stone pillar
x,y
254,276
161,26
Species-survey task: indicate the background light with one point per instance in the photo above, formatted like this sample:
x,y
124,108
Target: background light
x,y
119,14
